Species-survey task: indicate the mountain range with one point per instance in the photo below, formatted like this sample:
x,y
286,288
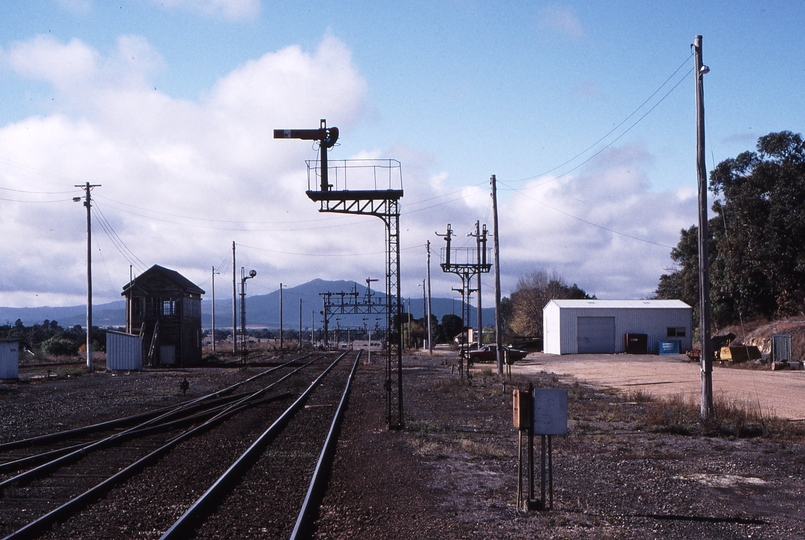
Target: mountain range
x,y
261,310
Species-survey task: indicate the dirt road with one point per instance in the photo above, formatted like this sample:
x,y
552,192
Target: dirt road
x,y
777,393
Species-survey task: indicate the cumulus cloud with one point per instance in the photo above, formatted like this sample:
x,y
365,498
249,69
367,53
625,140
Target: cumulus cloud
x,y
604,228
179,180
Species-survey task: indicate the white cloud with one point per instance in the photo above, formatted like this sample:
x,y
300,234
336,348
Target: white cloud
x,y
603,229
46,59
180,180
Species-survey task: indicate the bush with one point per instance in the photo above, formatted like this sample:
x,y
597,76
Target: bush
x,y
60,346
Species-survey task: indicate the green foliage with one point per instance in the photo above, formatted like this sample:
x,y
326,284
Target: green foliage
x,y
452,325
49,336
757,239
60,346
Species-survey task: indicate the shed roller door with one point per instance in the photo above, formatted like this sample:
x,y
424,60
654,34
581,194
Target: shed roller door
x,y
596,335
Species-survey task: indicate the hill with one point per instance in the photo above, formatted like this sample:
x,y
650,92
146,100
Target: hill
x,y
261,310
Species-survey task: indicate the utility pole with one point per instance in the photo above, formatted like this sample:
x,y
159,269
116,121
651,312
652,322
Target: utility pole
x,y
213,308
234,304
130,310
280,316
430,332
300,323
88,204
704,261
496,237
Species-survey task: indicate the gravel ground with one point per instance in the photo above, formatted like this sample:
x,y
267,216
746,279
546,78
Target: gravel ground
x,y
452,472
777,393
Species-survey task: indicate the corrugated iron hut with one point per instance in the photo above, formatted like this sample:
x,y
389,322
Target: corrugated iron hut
x,y
616,326
164,307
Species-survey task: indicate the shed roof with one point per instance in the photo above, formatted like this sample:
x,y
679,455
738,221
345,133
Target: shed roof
x,y
178,279
621,304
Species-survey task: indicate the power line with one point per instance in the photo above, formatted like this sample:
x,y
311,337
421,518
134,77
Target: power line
x,y
118,242
521,192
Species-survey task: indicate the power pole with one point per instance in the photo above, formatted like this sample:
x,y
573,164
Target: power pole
x,y
88,204
704,261
496,236
213,308
280,316
430,331
234,304
300,323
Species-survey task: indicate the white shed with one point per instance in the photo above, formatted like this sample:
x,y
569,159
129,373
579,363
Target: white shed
x,y
124,352
609,326
9,359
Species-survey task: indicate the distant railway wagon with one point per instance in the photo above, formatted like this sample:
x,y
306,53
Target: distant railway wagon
x,y
616,326
164,308
374,345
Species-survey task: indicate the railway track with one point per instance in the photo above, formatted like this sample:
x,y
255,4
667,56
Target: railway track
x,y
182,471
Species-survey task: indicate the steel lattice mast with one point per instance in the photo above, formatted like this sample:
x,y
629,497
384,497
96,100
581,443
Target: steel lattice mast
x,y
381,203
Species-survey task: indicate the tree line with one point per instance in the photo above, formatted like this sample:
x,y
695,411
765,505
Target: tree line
x,y
50,339
756,238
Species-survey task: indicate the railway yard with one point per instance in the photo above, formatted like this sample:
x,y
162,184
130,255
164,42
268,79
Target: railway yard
x,y
450,473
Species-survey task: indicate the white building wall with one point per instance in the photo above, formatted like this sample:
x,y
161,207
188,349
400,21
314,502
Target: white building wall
x,y
551,334
124,352
651,317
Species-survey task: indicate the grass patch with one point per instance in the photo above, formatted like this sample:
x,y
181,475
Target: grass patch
x,y
730,418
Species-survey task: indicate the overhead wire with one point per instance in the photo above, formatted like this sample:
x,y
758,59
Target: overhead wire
x,y
118,242
241,226
610,132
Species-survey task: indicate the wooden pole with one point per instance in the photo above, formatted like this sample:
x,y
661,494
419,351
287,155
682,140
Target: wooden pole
x,y
496,238
234,303
704,261
430,331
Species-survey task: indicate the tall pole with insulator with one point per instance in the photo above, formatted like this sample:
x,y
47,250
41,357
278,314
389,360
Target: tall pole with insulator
x,y
704,261
88,204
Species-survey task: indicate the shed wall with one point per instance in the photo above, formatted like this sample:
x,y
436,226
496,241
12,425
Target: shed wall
x,y
9,359
124,352
561,326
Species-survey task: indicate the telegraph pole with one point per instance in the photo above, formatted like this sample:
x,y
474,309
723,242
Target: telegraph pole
x,y
234,304
88,204
300,323
280,316
496,237
213,309
430,332
704,261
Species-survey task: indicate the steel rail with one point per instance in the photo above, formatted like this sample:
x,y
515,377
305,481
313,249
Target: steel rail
x,y
79,451
127,420
318,483
193,413
183,527
43,523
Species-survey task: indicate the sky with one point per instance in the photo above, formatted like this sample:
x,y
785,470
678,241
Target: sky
x,y
584,111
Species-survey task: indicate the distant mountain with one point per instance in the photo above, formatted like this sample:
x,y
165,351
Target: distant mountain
x,y
104,315
261,310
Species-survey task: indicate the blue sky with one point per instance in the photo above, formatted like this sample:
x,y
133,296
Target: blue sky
x,y
584,111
